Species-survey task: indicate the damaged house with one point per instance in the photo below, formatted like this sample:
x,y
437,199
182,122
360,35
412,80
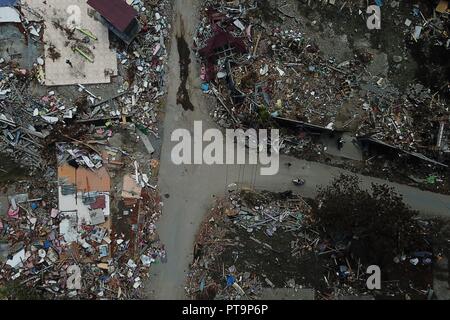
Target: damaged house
x,y
119,17
83,194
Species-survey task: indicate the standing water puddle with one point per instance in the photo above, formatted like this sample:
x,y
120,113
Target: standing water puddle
x,y
185,60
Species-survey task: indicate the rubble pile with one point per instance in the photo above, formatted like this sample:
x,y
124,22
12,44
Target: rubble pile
x,y
27,120
406,121
267,70
141,91
52,245
79,157
86,228
261,68
138,98
252,243
256,217
208,247
270,218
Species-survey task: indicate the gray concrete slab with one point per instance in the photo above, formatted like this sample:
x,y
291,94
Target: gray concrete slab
x,y
349,150
14,46
67,13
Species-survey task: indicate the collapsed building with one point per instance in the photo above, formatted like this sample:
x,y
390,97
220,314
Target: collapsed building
x,y
119,17
266,68
70,88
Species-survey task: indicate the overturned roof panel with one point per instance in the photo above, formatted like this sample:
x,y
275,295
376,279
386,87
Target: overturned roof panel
x,y
97,180
117,12
8,14
220,40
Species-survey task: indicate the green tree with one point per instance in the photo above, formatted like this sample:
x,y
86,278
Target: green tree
x,y
13,290
378,217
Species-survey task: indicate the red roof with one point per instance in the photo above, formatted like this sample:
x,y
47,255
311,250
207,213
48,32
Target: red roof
x,y
117,12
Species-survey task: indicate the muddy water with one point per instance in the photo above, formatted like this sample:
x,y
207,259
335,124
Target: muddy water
x,y
185,60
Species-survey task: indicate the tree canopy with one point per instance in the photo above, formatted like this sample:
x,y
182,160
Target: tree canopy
x,y
377,217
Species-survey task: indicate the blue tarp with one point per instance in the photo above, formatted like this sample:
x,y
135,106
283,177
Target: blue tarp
x,y
205,87
7,3
230,280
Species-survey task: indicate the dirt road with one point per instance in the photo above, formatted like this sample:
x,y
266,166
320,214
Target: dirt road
x,y
188,190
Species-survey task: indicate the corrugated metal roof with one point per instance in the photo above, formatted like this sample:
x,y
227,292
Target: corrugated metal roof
x,y
67,173
117,12
7,3
85,180
97,180
130,188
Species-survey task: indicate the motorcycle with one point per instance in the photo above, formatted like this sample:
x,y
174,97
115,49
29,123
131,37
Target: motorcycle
x,y
298,182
